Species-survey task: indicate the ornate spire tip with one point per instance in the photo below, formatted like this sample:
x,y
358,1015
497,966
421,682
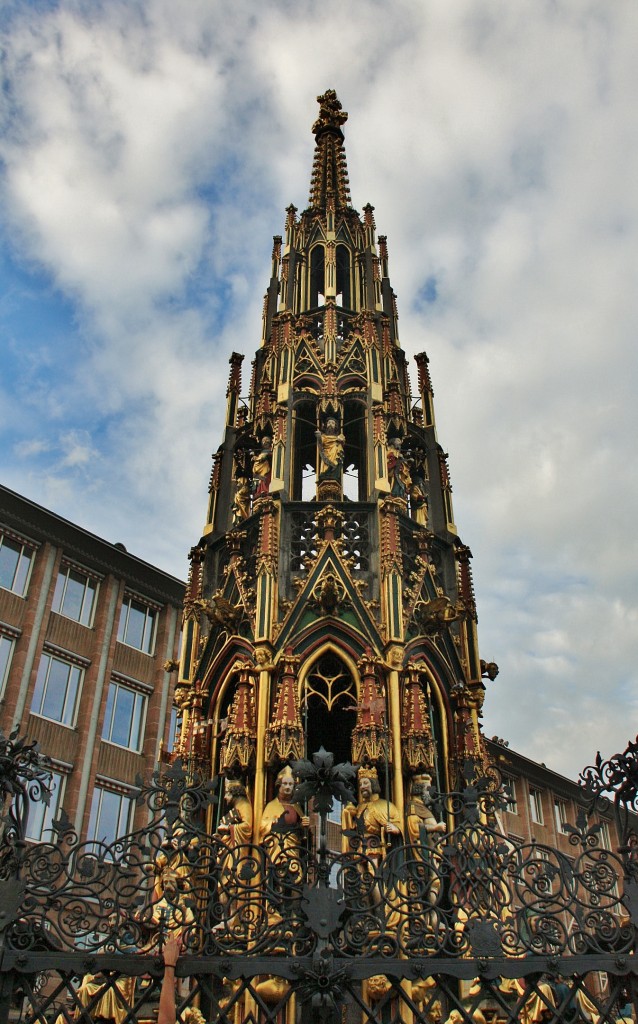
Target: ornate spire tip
x,y
331,114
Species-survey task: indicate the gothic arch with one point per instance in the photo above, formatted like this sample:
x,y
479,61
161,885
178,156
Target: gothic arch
x,y
317,276
355,422
344,276
349,642
439,685
329,685
218,672
304,444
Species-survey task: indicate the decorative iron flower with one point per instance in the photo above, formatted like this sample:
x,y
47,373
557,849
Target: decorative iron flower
x,y
322,780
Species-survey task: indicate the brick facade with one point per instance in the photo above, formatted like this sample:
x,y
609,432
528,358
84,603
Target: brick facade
x,y
41,636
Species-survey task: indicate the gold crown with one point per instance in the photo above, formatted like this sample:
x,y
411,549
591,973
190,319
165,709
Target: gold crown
x,y
367,773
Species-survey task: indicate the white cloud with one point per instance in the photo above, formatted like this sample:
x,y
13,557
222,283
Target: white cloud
x,y
27,449
149,153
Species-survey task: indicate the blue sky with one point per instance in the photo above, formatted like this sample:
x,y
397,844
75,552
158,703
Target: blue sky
x,y
147,154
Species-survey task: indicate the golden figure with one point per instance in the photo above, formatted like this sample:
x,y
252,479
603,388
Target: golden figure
x,y
172,861
380,818
262,469
113,1005
241,501
171,912
282,812
422,833
235,829
419,815
281,833
331,448
419,501
398,471
236,826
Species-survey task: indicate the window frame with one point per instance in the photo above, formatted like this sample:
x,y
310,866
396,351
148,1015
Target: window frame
x,y
10,639
116,684
47,814
536,806
27,550
123,626
72,664
511,806
604,835
560,815
99,792
66,568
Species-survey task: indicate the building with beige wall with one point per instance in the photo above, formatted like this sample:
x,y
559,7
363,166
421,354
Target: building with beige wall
x,y
85,631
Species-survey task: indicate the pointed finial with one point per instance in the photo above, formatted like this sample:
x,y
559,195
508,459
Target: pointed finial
x,y
331,114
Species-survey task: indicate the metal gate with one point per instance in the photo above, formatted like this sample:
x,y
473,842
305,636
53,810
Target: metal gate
x,y
472,929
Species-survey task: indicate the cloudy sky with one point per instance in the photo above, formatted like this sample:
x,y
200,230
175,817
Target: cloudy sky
x,y
147,153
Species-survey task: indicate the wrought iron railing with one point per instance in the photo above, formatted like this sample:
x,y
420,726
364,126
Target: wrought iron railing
x,y
471,924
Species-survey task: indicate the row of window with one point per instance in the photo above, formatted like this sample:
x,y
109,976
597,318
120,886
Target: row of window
x,y
536,811
75,595
111,813
56,697
57,693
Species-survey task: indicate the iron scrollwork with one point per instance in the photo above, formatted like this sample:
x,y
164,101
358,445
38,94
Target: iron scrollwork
x,y
375,928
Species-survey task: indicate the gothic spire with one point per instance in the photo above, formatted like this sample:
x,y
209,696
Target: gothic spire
x,y
329,183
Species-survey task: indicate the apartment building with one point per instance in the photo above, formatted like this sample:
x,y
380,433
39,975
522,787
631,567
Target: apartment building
x,y
86,630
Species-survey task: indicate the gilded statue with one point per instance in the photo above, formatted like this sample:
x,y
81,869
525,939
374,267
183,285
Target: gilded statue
x,y
376,818
262,469
398,471
281,833
331,450
172,912
419,816
281,814
172,862
241,501
423,832
234,830
236,825
419,501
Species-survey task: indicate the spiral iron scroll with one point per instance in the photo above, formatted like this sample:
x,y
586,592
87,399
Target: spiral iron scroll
x,y
473,893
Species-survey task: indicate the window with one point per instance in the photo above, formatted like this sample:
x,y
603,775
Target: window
x,y
604,838
56,690
137,625
317,277
111,815
15,563
536,806
41,817
75,595
6,652
510,792
124,718
336,812
343,276
560,815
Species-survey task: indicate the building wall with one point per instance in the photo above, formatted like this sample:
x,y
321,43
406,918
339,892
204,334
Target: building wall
x,y
85,631
544,801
